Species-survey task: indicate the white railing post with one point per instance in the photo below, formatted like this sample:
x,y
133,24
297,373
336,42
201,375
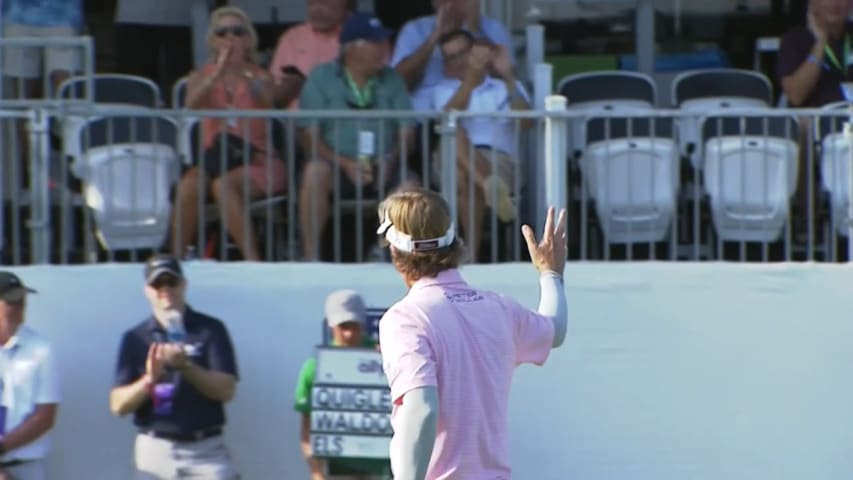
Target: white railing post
x,y
556,131
39,188
447,132
535,45
543,84
89,69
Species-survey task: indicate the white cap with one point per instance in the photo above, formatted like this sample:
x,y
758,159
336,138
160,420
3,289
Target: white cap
x,y
345,306
405,243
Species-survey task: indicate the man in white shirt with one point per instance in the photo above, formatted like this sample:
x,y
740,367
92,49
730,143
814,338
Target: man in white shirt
x,y
29,393
479,78
416,54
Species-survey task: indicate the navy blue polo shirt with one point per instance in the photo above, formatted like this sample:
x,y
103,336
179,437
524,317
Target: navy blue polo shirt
x,y
191,410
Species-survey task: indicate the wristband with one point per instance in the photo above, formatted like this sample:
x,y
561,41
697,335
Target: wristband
x,y
812,59
552,274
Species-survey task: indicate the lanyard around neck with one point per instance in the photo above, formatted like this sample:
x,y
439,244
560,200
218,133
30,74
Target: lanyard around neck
x,y
362,96
832,59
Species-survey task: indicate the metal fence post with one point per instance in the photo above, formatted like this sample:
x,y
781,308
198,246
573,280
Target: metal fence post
x,y
556,131
446,128
39,188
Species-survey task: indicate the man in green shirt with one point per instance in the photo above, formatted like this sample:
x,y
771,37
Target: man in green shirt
x,y
360,158
346,316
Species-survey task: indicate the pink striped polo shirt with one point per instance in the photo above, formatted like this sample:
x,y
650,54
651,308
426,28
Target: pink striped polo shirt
x,y
467,343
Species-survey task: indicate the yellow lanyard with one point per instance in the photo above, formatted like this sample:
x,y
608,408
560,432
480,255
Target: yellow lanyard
x,y
830,56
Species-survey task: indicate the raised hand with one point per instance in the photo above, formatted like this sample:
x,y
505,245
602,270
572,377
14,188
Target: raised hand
x,y
221,61
502,63
550,253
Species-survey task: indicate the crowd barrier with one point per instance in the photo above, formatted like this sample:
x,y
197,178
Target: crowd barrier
x,y
669,370
740,184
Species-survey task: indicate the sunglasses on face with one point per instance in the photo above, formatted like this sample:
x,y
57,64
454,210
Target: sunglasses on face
x,y
236,30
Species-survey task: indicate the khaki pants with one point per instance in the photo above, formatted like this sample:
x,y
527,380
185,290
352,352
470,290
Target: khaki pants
x,y
159,459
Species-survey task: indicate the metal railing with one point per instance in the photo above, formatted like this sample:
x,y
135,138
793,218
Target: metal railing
x,y
79,51
736,185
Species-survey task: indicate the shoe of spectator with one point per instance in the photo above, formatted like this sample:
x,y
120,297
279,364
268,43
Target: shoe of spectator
x,y
503,205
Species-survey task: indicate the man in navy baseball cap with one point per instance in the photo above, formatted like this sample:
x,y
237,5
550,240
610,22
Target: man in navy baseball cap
x,y
369,155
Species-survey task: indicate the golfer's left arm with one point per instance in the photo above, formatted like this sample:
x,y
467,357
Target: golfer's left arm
x,y
416,433
409,363
552,304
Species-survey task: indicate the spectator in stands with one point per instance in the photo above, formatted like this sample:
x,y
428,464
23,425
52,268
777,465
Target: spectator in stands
x,y
346,316
42,19
307,45
366,152
236,152
814,68
154,40
479,78
29,399
416,54
175,371
815,61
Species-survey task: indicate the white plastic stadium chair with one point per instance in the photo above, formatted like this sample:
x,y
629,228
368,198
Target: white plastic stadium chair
x,y
835,150
701,91
628,161
750,173
127,178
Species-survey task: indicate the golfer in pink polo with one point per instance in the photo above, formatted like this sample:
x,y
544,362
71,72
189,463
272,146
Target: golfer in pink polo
x,y
449,349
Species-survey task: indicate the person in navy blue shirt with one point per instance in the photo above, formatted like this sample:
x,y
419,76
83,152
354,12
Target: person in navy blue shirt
x,y
175,372
815,61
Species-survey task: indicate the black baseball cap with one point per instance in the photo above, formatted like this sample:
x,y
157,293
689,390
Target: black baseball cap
x,y
12,288
162,264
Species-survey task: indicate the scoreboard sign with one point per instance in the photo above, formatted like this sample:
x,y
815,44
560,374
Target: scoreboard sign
x,y
350,405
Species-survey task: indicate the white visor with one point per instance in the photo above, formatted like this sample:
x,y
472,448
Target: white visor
x,y
405,243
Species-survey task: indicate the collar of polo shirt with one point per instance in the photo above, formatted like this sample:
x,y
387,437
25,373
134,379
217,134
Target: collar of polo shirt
x,y
404,242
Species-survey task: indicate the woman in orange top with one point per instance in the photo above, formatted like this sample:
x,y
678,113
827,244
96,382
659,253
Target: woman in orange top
x,y
237,153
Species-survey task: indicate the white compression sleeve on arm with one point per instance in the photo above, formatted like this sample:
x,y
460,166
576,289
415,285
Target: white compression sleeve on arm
x,y
415,433
552,304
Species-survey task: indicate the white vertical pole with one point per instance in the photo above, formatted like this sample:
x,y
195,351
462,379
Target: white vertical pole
x,y
543,86
40,226
556,131
535,48
447,131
